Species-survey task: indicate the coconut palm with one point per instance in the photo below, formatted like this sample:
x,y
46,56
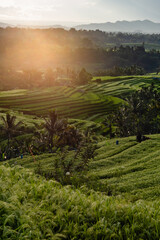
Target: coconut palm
x,y
108,125
10,126
54,126
71,136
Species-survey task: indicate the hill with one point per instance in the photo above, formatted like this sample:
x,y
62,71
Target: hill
x,y
34,208
92,50
89,102
129,172
145,26
129,169
117,197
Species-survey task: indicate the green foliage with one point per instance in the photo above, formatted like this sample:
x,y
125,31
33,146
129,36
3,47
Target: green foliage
x,y
54,126
122,71
84,77
71,164
93,50
9,126
130,169
59,133
33,208
92,101
140,115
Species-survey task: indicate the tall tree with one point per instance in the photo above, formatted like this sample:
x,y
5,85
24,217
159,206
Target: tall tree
x,y
140,115
84,77
54,126
10,126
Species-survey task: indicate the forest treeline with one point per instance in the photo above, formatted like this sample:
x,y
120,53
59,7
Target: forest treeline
x,y
43,48
35,78
80,38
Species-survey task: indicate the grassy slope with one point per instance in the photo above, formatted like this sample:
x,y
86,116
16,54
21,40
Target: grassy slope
x,y
67,101
31,120
130,169
33,208
148,46
91,102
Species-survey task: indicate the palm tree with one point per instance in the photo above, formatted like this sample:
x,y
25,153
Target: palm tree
x,y
71,136
108,124
54,126
10,127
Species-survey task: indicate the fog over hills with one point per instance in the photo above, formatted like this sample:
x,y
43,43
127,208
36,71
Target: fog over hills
x,y
145,26
4,25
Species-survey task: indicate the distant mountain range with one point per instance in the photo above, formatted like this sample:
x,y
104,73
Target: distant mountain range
x,y
42,27
145,26
138,26
4,25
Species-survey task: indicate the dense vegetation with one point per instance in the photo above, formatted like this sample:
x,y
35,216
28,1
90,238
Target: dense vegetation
x,y
129,169
61,177
122,71
89,102
81,38
23,49
108,182
34,208
34,78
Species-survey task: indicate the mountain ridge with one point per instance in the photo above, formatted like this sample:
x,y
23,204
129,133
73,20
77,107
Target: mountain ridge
x,y
5,25
137,26
144,26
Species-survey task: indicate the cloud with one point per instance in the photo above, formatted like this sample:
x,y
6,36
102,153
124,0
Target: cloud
x,y
29,12
10,11
81,11
89,3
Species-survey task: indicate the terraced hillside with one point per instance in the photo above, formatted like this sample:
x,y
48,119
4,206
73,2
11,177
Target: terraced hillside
x,y
148,46
122,200
90,102
33,208
129,169
68,102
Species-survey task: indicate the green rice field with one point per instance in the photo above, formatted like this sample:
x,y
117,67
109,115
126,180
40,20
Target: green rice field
x,y
120,197
130,169
34,208
89,102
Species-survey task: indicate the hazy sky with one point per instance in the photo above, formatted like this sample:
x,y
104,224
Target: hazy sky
x,y
79,10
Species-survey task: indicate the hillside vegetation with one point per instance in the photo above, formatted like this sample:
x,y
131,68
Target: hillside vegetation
x,y
43,48
129,169
110,192
89,102
33,208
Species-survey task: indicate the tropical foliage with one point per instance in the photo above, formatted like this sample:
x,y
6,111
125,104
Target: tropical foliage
x,y
140,115
34,208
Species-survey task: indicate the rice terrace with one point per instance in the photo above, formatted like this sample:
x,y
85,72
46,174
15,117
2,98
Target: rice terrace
x,y
79,120
89,101
124,178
